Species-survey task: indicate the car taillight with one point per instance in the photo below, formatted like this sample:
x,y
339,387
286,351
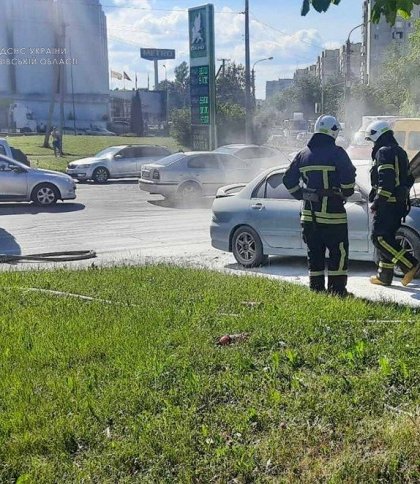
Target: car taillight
x,y
156,175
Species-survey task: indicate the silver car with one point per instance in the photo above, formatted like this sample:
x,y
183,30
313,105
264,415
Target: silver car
x,y
21,183
194,174
262,219
116,162
260,157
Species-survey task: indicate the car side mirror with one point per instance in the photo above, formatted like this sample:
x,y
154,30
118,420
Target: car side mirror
x,y
17,169
118,157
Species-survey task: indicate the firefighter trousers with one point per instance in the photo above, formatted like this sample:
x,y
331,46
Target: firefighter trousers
x,y
319,238
386,222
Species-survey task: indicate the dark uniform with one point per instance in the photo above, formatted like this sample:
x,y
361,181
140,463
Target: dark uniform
x,y
391,183
328,176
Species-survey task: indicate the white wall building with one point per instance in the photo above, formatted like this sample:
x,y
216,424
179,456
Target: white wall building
x,y
378,38
36,37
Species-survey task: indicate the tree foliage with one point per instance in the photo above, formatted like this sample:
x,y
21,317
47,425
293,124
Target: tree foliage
x,y
230,85
389,8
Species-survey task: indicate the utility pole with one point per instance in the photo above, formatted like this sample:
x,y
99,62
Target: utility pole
x,y
248,111
72,90
348,73
56,77
62,82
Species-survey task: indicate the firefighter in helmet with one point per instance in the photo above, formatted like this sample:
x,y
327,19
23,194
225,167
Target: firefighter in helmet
x,y
323,176
390,197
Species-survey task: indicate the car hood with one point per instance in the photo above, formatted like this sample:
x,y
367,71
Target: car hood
x,y
151,166
86,161
52,173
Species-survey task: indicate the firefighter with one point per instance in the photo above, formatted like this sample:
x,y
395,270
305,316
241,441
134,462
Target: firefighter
x,y
390,197
323,176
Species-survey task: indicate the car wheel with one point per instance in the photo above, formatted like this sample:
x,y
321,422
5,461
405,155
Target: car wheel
x,y
247,247
45,195
100,175
189,191
410,241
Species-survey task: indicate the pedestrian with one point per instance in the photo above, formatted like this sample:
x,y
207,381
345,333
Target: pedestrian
x,y
390,197
56,136
323,176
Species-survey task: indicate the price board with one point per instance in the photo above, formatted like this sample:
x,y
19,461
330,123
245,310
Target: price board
x,y
202,78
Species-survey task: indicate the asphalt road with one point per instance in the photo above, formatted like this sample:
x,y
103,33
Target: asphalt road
x,y
127,226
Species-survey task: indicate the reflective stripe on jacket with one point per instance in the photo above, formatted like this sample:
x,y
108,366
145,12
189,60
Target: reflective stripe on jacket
x,y
321,166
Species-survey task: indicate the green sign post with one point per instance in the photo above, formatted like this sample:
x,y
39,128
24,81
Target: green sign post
x,y
202,78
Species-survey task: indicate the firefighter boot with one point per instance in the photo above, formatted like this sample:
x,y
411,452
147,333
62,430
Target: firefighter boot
x,y
337,286
317,283
384,276
410,275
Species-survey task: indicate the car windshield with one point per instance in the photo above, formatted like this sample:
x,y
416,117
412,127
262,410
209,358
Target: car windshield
x,y
168,160
108,152
11,160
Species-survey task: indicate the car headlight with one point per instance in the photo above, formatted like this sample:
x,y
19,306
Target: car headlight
x,y
82,166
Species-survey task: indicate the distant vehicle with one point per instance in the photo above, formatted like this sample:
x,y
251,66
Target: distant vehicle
x,y
70,130
116,162
261,218
20,183
294,126
119,127
259,157
406,131
99,131
191,175
21,118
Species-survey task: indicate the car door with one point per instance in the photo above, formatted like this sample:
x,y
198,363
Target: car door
x,y
124,163
206,169
357,208
276,214
13,181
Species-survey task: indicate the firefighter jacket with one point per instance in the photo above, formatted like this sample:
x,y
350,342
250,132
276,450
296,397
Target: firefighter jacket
x,y
390,173
323,168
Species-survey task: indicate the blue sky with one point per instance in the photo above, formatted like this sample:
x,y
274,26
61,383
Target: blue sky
x,y
277,30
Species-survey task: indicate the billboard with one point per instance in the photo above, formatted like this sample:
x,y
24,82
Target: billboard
x,y
157,54
202,77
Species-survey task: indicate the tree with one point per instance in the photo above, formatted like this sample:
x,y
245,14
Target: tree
x,y
136,120
230,86
389,8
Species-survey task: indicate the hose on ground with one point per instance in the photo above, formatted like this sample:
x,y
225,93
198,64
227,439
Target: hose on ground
x,y
68,256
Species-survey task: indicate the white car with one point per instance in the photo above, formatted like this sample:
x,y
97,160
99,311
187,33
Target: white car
x,y
116,162
21,183
193,174
260,219
260,157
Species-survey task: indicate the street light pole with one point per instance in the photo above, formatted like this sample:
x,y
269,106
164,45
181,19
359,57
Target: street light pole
x,y
248,120
254,99
348,74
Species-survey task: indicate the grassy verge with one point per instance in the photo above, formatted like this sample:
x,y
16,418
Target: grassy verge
x,y
76,147
137,391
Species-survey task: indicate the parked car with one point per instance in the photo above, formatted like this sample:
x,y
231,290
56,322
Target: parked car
x,y
98,131
260,157
116,162
193,174
20,183
70,130
119,127
261,218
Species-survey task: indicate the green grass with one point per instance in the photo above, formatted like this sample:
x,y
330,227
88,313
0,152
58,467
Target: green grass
x,y
76,147
324,390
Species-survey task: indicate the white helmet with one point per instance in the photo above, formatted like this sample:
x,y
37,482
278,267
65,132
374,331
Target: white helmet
x,y
327,125
376,129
